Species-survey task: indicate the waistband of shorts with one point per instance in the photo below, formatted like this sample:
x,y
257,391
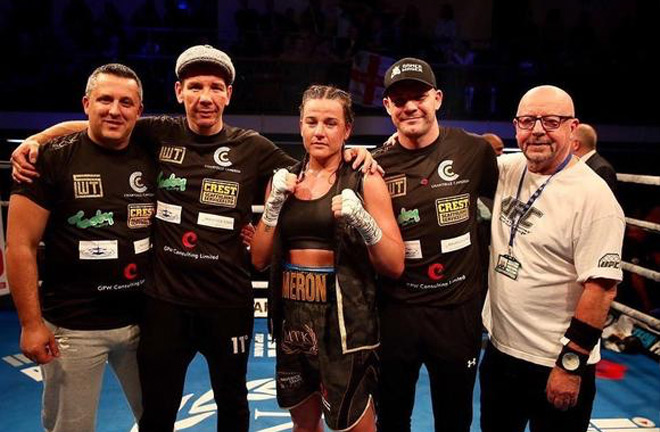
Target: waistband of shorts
x,y
294,267
314,285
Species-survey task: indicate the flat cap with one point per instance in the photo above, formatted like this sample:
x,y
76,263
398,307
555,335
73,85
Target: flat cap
x,y
205,54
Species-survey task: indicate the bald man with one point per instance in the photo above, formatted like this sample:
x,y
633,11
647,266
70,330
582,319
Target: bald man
x,y
557,233
495,142
584,146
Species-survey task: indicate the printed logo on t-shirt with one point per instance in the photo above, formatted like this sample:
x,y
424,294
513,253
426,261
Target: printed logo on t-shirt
x,y
139,215
87,186
221,157
219,193
413,249
135,180
99,220
446,170
435,271
131,271
189,240
98,249
142,246
172,154
452,210
168,212
610,260
396,185
512,210
408,217
172,182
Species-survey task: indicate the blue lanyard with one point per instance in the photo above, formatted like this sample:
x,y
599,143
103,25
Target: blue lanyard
x,y
533,198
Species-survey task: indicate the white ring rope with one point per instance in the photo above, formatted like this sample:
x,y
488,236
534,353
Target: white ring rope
x,y
642,271
646,319
649,226
640,179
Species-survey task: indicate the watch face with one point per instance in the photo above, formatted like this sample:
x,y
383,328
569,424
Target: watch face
x,y
570,361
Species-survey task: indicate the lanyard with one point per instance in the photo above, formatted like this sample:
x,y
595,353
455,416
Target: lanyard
x,y
532,199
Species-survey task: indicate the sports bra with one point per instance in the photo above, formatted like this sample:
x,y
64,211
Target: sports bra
x,y
308,224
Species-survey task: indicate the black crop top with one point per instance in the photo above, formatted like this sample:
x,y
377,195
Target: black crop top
x,y
308,224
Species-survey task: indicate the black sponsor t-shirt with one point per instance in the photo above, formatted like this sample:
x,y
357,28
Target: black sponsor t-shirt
x,y
97,254
205,188
434,193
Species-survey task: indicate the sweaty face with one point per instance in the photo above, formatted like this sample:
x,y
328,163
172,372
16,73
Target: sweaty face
x,y
545,149
323,128
112,107
204,98
412,106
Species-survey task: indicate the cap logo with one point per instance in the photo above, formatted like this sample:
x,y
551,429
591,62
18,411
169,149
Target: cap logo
x,y
396,71
411,67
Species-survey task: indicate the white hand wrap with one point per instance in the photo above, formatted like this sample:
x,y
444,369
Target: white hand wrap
x,y
275,201
359,218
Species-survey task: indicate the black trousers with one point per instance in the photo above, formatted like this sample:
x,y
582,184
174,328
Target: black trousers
x,y
171,335
513,393
447,341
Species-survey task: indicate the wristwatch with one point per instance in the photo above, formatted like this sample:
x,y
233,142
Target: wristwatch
x,y
572,361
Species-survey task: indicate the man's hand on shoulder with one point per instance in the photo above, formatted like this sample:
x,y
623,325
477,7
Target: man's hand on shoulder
x,y
360,155
23,159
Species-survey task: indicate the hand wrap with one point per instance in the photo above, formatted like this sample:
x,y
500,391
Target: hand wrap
x,y
359,218
275,201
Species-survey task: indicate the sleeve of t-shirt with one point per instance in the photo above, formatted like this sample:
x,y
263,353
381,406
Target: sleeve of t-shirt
x,y
270,157
490,174
598,244
41,191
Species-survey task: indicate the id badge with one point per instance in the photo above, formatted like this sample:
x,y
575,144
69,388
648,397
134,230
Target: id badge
x,y
508,266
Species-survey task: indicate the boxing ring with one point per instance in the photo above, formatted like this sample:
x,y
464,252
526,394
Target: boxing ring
x,y
628,398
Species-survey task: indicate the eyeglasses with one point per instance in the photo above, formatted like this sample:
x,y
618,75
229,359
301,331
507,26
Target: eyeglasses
x,y
549,122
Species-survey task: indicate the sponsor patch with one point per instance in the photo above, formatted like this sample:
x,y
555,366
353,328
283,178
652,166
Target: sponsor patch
x,y
435,271
413,249
289,380
453,210
221,157
98,249
135,180
610,260
396,185
87,186
408,217
172,182
99,220
172,154
215,221
446,170
168,212
142,246
139,215
455,243
219,193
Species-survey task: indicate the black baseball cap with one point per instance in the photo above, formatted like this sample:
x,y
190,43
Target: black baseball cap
x,y
409,68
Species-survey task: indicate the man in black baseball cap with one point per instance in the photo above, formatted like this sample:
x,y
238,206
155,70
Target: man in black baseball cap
x,y
431,315
409,69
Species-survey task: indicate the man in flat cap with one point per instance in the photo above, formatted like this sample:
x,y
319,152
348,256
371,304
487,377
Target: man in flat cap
x,y
210,173
431,315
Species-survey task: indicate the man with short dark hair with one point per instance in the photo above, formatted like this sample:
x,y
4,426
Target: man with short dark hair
x,y
92,205
584,146
430,316
557,232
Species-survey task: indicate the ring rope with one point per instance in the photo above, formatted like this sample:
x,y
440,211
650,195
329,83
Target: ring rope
x,y
634,313
642,271
649,226
640,179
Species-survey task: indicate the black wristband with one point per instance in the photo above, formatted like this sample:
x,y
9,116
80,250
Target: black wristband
x,y
583,334
572,361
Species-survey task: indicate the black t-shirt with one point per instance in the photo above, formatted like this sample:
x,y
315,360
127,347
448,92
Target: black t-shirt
x,y
206,187
434,193
97,240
